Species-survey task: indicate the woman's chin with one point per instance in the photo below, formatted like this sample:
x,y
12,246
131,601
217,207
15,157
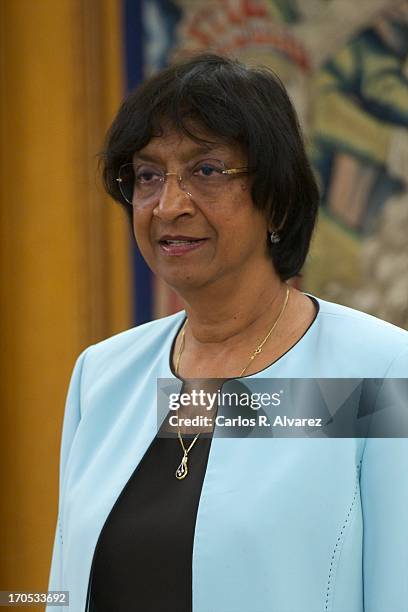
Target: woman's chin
x,y
182,281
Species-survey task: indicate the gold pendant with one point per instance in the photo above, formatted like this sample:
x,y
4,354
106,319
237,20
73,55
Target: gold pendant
x,y
182,469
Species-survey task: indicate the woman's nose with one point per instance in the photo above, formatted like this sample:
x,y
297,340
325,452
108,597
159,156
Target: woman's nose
x,y
173,201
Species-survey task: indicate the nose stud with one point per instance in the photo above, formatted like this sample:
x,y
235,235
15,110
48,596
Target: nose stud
x,y
183,189
155,211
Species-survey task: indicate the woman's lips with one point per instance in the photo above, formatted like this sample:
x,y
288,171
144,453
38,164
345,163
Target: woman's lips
x,y
181,247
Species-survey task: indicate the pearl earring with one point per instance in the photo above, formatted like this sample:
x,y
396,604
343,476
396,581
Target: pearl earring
x,y
274,237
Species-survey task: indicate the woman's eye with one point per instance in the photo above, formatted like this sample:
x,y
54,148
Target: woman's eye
x,y
144,176
207,170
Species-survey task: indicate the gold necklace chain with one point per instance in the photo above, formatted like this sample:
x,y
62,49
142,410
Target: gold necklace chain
x,y
182,469
270,332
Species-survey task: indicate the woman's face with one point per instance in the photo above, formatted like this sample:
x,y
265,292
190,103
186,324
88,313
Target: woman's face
x,y
218,236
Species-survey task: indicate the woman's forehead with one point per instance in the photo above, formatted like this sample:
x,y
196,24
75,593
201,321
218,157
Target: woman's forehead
x,y
179,146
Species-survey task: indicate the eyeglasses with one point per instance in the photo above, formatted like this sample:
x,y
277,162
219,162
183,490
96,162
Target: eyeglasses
x,y
142,183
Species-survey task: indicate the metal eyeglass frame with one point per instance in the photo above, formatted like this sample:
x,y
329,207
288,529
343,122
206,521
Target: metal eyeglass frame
x,y
228,171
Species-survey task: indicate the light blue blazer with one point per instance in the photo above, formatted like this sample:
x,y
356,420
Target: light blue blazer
x,y
283,525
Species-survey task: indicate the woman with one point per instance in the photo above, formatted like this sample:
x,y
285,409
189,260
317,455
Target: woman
x,y
208,160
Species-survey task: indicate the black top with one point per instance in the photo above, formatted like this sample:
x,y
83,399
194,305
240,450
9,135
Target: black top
x,y
143,559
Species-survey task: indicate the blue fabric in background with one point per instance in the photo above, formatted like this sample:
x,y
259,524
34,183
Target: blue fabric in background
x,y
150,32
133,33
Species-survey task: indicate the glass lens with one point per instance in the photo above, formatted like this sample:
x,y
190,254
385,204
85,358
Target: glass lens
x,y
126,181
148,182
206,178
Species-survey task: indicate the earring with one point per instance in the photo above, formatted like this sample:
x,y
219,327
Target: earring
x,y
274,237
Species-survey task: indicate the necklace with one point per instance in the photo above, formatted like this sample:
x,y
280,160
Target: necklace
x,y
182,469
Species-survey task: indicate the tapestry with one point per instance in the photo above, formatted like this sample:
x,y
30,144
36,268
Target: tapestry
x,y
346,71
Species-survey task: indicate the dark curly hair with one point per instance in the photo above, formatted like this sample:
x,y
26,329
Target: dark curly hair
x,y
238,104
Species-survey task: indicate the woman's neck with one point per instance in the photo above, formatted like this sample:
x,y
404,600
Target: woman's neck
x,y
224,329
233,311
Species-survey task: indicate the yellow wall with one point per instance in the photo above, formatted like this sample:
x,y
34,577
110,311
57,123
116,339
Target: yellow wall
x,y
64,256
